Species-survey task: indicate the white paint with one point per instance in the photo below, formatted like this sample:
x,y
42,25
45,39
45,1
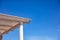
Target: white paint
x,y
21,32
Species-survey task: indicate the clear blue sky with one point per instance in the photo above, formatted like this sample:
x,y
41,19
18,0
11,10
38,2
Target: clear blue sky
x,y
45,15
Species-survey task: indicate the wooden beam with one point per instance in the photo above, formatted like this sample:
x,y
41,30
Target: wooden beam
x,y
14,18
2,31
9,20
16,25
4,28
8,23
5,25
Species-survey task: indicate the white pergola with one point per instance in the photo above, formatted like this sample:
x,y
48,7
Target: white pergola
x,y
9,23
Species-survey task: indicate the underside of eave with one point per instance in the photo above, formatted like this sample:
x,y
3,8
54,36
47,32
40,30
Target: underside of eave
x,y
8,23
9,28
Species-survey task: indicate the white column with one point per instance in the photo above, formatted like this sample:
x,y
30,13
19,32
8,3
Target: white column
x,y
21,32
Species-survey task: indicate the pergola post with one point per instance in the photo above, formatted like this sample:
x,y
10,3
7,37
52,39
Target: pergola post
x,y
0,36
21,32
